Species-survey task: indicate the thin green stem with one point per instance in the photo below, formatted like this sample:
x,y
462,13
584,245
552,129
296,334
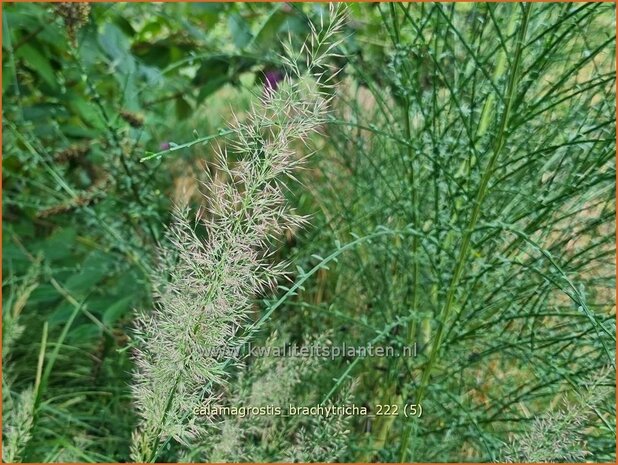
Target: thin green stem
x,y
500,141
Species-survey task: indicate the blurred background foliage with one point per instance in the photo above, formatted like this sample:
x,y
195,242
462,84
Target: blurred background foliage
x,y
87,96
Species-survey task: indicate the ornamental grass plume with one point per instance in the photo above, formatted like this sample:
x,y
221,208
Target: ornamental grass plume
x,y
279,437
18,422
18,410
207,280
560,436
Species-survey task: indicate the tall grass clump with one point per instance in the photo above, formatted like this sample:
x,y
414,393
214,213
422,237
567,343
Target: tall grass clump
x,y
212,267
491,132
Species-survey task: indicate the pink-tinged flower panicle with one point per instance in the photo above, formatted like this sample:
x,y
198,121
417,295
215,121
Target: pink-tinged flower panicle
x,y
205,286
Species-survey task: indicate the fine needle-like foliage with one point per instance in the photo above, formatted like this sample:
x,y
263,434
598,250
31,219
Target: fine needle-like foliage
x,y
495,140
212,268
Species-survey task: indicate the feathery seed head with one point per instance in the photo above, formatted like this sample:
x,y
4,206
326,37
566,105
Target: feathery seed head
x,y
205,287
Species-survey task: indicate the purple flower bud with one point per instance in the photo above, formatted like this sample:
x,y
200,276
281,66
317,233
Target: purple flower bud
x,y
272,79
164,146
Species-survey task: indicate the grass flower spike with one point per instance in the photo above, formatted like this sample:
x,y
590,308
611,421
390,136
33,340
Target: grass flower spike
x,y
206,284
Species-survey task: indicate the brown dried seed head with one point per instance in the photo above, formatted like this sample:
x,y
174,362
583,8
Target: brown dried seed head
x,y
75,16
135,120
72,152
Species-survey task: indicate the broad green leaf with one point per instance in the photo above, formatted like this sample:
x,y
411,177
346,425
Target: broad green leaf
x,y
92,271
86,111
86,333
39,63
183,108
60,245
269,29
211,87
241,34
61,313
117,310
7,76
211,68
44,293
117,46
